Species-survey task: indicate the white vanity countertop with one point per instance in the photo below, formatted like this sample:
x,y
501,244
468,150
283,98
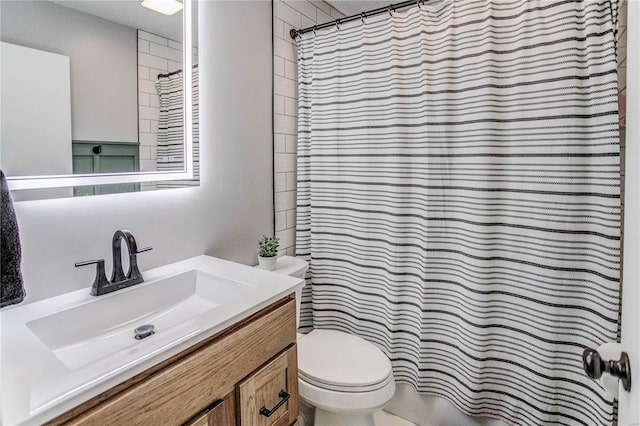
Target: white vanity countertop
x,y
36,386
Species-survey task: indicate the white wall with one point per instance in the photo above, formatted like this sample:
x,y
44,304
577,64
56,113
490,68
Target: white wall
x,y
103,64
629,413
223,217
35,140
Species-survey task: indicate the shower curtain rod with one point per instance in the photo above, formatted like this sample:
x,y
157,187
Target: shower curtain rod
x,y
391,8
169,74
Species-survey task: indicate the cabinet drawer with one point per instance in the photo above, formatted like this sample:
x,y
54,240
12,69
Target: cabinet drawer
x,y
221,413
193,383
269,397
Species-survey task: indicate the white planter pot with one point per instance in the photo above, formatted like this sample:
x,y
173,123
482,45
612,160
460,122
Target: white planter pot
x,y
268,263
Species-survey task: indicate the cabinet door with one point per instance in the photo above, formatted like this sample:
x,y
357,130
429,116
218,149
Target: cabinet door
x,y
269,397
105,157
221,413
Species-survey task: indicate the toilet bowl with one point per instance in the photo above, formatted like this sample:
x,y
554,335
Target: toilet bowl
x,y
344,377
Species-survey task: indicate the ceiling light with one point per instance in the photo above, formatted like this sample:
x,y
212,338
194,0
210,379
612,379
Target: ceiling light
x,y
166,7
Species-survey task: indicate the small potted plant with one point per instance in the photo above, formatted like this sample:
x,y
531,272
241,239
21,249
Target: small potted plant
x,y
267,251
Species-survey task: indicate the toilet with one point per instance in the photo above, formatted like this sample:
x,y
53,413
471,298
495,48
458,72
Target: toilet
x,y
344,377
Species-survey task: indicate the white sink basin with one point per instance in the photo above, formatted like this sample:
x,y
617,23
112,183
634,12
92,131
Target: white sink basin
x,y
84,334
60,352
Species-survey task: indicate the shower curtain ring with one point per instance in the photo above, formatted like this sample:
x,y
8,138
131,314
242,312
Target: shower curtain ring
x,y
362,16
314,30
390,9
419,6
338,24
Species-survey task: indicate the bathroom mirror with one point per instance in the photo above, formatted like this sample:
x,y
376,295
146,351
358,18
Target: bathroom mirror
x,y
92,96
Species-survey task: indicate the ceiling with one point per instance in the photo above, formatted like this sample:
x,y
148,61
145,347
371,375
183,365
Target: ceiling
x,y
131,14
354,7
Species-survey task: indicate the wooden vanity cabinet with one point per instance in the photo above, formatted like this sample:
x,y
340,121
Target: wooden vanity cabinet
x,y
226,380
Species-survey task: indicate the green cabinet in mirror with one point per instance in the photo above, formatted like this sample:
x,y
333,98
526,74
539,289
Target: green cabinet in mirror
x,y
91,157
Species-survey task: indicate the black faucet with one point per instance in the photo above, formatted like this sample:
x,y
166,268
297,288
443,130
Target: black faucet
x,y
134,276
118,278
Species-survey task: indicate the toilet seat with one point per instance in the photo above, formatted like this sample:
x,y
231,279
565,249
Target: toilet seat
x,y
341,362
346,388
346,402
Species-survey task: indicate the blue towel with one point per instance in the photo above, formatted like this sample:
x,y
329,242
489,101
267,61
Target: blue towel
x,y
11,286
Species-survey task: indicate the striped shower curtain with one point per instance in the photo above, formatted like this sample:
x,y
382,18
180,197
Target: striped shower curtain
x,y
458,198
171,147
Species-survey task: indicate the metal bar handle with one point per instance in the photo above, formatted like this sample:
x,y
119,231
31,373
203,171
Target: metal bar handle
x,y
268,413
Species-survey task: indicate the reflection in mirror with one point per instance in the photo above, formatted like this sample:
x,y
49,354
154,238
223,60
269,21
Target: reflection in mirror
x,y
94,87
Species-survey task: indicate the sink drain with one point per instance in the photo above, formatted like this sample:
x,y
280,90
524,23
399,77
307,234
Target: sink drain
x,y
143,331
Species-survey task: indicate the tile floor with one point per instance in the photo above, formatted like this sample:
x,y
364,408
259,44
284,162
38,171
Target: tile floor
x,y
382,418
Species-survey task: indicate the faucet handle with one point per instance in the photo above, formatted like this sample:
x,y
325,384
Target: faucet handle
x,y
97,288
134,275
99,262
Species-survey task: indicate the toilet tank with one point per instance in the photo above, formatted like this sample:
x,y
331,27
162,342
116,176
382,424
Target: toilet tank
x,y
294,267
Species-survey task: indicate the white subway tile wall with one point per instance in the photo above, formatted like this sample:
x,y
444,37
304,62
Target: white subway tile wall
x,y
289,14
154,54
